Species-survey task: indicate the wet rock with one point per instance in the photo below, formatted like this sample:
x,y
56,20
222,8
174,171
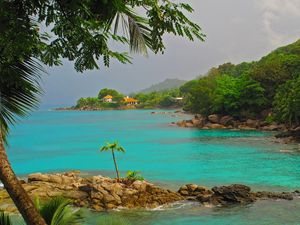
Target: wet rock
x,y
272,195
232,194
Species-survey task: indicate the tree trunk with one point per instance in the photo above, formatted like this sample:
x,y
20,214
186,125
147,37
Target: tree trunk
x,y
17,192
116,166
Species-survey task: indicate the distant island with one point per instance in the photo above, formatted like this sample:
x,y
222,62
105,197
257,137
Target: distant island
x,y
110,99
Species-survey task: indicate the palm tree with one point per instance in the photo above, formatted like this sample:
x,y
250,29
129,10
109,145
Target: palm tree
x,y
113,147
19,88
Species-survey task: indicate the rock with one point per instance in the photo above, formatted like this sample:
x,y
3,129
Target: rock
x,y
272,195
226,120
193,190
197,123
97,192
189,125
181,123
216,126
199,117
235,193
252,123
245,127
214,118
272,127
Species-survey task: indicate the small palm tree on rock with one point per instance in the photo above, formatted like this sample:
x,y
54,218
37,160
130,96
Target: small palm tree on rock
x,y
113,147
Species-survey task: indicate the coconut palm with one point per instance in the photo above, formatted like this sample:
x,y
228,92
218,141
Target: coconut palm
x,y
113,147
19,88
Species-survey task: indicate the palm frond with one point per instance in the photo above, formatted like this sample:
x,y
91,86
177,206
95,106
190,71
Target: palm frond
x,y
120,149
57,211
135,29
19,91
5,219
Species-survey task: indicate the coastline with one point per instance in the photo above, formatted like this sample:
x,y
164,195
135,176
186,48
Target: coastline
x,y
285,134
100,193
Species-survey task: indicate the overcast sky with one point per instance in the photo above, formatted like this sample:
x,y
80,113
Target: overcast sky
x,y
236,30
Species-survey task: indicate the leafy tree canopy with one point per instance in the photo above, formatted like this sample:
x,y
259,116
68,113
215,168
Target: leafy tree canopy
x,y
106,91
82,30
287,102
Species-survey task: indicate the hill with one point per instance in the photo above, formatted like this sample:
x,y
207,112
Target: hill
x,y
164,85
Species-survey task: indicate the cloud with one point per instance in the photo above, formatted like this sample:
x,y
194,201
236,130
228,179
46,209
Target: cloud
x,y
280,20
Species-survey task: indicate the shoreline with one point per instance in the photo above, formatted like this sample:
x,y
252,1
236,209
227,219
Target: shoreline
x,y
100,193
284,134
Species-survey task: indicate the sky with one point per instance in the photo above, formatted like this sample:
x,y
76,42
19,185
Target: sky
x,y
236,31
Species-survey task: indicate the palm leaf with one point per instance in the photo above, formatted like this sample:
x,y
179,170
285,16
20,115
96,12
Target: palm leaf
x,y
5,219
57,211
19,91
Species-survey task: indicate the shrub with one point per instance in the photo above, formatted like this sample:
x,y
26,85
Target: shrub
x,y
134,175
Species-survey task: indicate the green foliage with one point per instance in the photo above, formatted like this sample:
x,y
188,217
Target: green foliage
x,y
237,95
5,219
112,147
134,175
287,102
91,102
276,68
57,211
106,91
113,220
270,119
83,29
199,95
246,89
158,99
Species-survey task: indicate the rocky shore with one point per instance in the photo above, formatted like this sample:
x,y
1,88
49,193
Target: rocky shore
x,y
102,193
215,121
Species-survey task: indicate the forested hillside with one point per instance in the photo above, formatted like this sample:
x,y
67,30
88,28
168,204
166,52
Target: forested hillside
x,y
266,89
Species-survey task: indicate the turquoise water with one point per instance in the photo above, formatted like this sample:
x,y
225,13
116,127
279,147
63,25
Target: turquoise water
x,y
167,155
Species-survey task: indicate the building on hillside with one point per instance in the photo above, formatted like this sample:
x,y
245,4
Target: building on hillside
x,y
130,101
107,98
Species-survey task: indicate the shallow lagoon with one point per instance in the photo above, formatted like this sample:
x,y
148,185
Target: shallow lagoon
x,y
166,155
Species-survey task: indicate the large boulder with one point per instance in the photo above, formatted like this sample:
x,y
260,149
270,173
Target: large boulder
x,y
214,118
232,194
227,120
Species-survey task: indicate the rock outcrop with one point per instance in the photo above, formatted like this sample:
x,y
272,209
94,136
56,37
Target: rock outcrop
x,y
215,121
103,193
97,192
227,195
